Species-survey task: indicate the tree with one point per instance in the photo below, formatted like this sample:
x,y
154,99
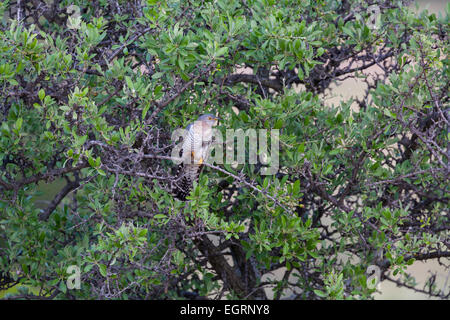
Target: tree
x,y
92,90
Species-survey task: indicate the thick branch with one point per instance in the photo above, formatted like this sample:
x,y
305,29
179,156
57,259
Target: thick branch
x,y
70,186
221,266
42,176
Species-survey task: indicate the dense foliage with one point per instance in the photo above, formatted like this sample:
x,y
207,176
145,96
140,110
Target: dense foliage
x,y
90,92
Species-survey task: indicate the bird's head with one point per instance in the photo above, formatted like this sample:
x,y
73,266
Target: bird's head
x,y
209,119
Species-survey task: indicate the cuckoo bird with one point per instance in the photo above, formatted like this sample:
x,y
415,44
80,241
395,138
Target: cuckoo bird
x,y
195,151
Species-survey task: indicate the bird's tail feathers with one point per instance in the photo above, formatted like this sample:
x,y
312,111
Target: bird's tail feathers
x,y
185,177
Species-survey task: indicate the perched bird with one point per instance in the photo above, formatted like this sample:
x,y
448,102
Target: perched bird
x,y
195,152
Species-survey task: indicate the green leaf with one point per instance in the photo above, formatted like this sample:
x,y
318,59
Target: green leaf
x,y
334,152
181,63
222,51
301,148
19,122
157,90
278,124
320,51
296,187
145,110
387,214
91,162
320,293
62,287
102,269
265,183
129,83
244,116
399,259
157,75
41,94
389,113
192,45
347,31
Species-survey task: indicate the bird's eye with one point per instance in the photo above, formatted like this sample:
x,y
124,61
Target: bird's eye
x,y
209,118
